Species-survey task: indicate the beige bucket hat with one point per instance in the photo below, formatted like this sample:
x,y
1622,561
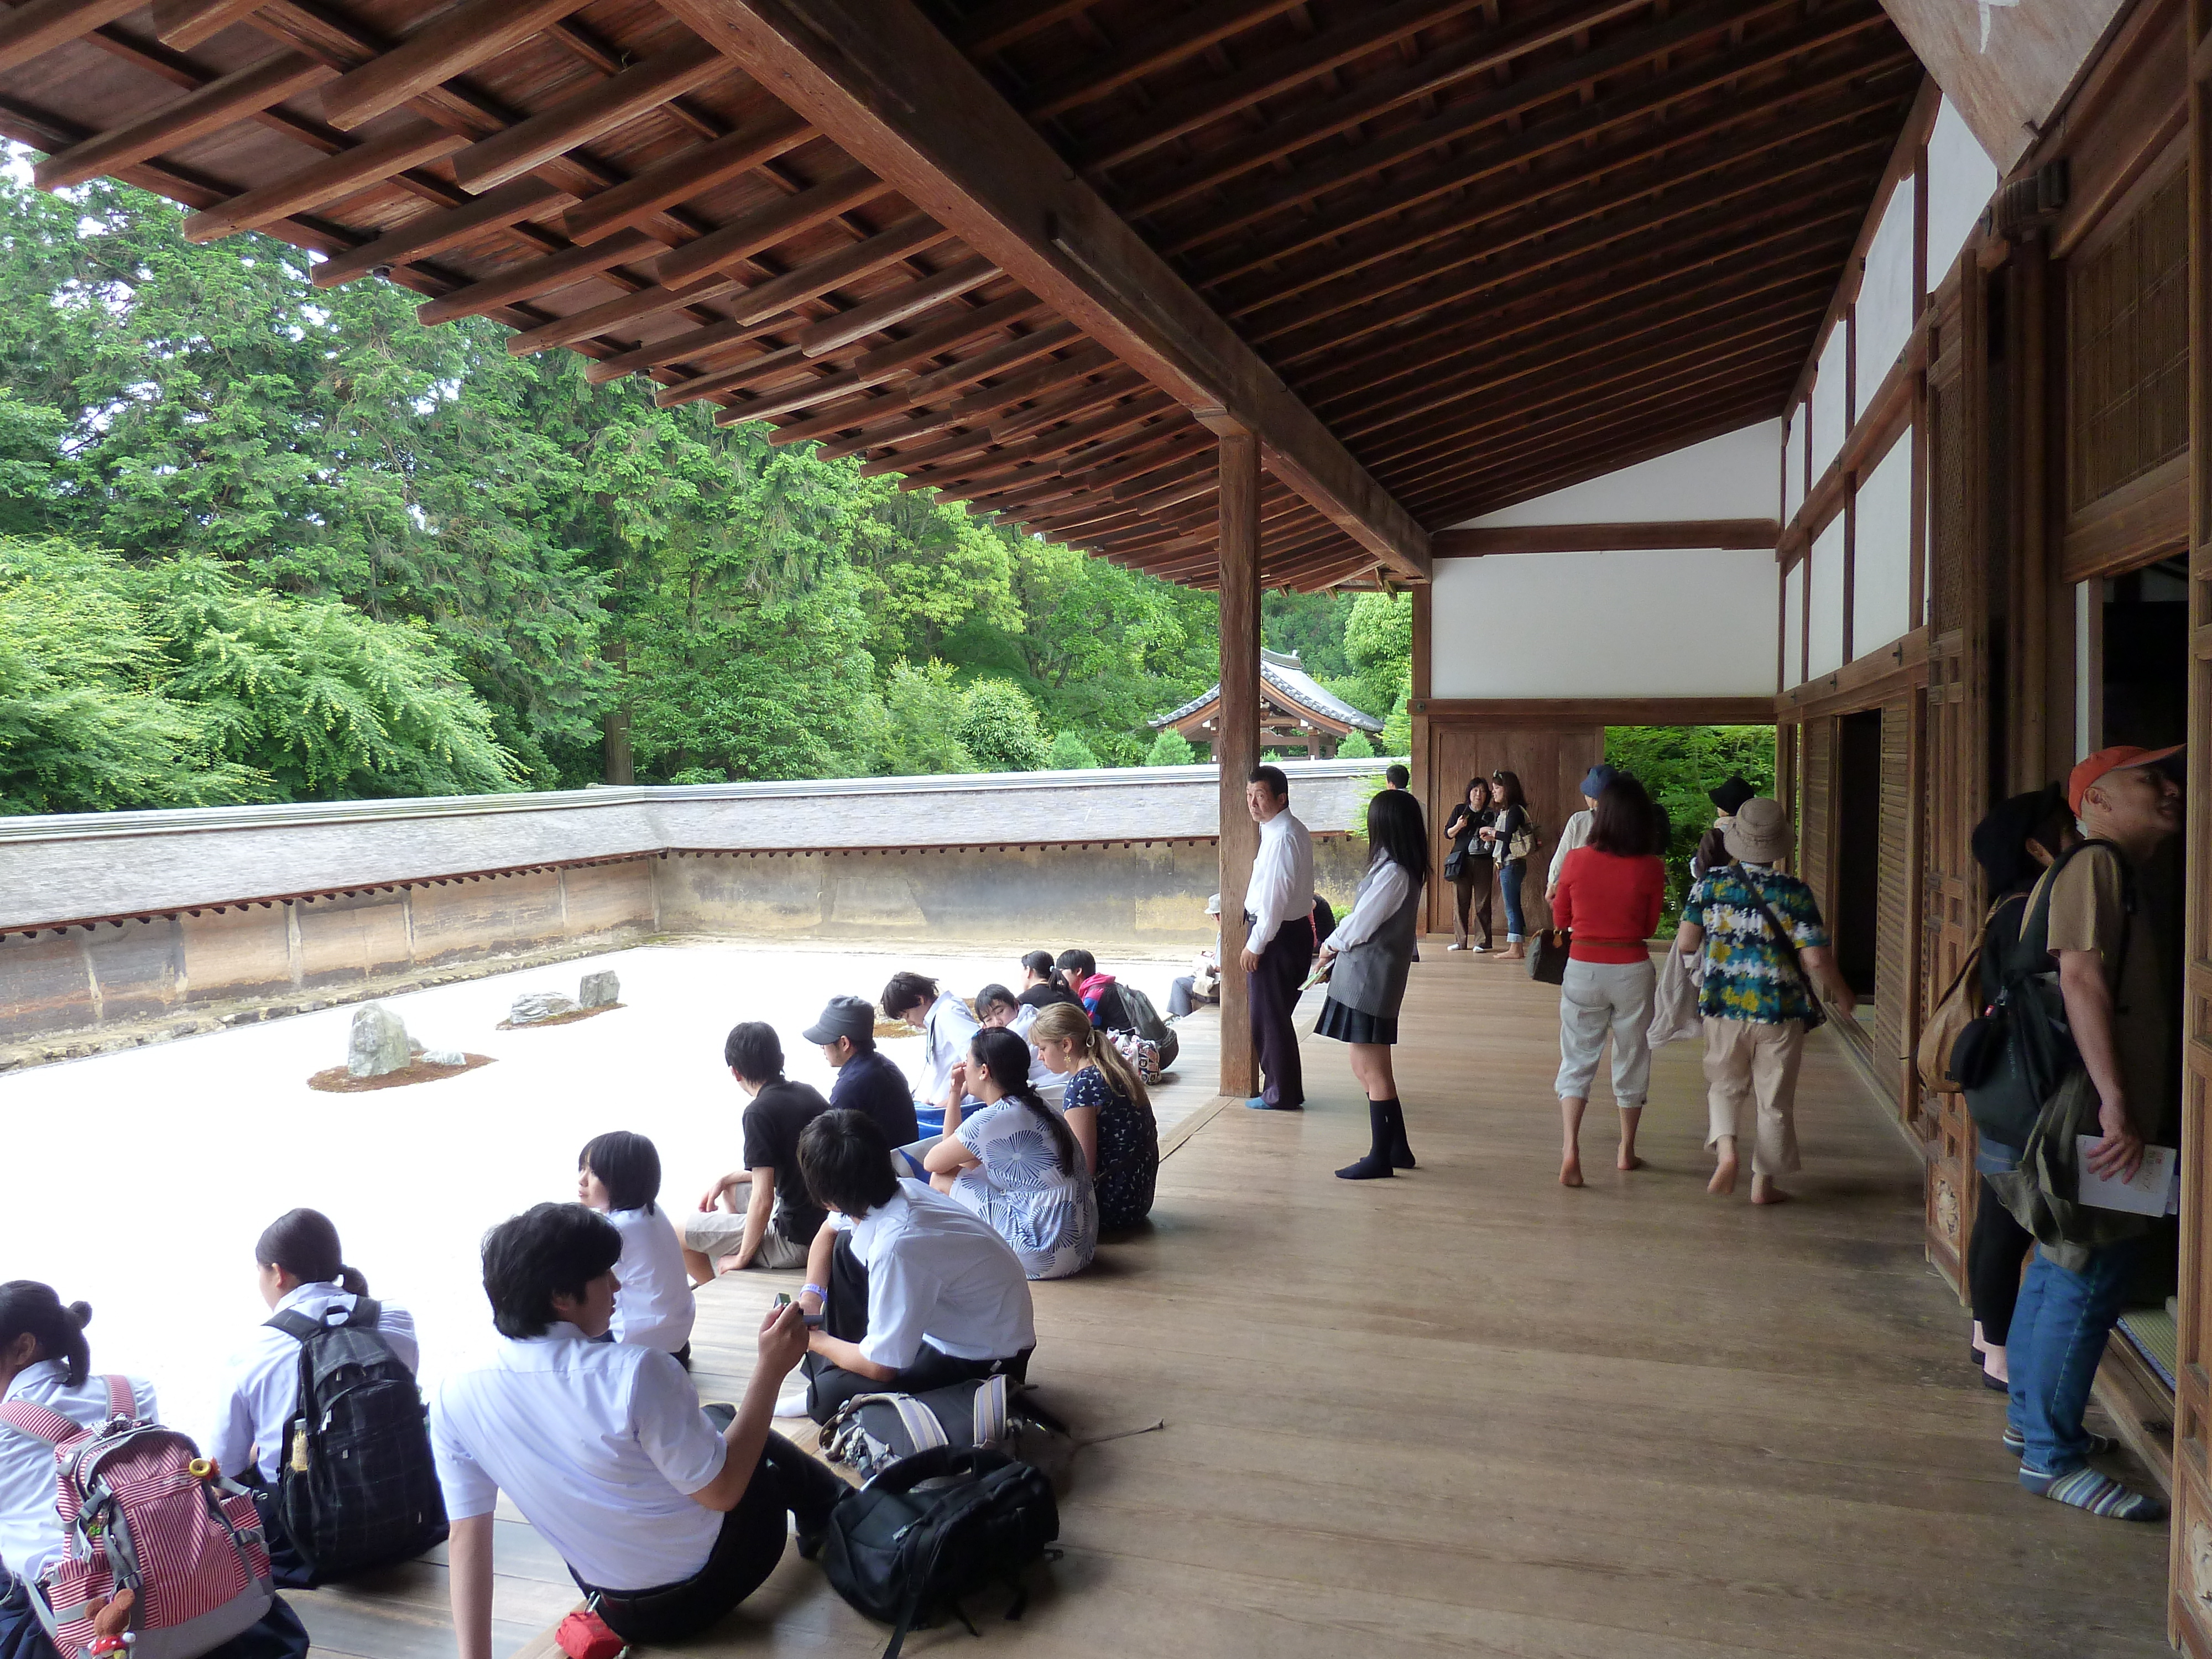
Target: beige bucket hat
x,y
1761,833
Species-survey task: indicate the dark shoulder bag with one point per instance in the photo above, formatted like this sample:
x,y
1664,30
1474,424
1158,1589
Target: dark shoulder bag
x,y
1819,1017
1547,955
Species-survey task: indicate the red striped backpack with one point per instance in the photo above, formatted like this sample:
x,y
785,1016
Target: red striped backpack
x,y
157,1548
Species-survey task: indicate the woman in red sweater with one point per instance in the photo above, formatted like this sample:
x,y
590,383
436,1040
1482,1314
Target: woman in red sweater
x,y
1610,891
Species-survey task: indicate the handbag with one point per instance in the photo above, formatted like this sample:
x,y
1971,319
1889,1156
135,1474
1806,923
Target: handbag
x,y
1819,1017
1954,1016
1547,955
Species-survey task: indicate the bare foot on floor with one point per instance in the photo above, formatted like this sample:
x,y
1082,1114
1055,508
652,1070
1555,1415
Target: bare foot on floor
x,y
1571,1171
1763,1191
1627,1160
1723,1181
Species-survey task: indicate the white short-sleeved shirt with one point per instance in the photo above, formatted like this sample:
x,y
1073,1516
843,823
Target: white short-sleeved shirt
x,y
262,1393
600,1445
946,1030
653,1307
939,1275
30,1531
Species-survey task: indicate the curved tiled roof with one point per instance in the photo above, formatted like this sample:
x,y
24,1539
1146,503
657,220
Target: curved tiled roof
x,y
1280,671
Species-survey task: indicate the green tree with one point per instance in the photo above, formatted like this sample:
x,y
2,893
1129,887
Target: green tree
x,y
1170,748
1355,746
1069,753
1678,765
1398,730
913,727
1310,625
1378,639
999,726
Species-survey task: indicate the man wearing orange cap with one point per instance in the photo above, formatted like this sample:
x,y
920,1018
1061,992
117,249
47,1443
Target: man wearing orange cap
x,y
2122,1019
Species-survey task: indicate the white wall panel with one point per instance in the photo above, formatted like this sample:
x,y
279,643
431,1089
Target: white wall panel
x,y
1831,419
1881,553
1961,179
1671,623
1793,627
1730,476
1793,471
1825,650
1883,315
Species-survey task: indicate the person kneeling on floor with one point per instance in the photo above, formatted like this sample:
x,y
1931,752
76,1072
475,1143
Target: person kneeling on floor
x,y
668,1520
915,1291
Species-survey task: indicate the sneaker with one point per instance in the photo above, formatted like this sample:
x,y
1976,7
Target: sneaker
x,y
1454,947
1478,949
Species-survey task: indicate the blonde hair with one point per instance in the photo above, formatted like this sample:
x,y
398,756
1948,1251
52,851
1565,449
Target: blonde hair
x,y
1063,1022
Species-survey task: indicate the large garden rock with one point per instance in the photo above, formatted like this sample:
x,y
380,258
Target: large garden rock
x,y
599,989
378,1044
535,1007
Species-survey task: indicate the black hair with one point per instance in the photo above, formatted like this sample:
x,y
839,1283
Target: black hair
x,y
846,1159
904,990
549,1250
755,1052
628,1166
1076,964
1396,775
994,995
1278,784
1623,822
1006,1056
1395,831
28,1307
2000,840
1505,789
1039,962
304,1244
1474,784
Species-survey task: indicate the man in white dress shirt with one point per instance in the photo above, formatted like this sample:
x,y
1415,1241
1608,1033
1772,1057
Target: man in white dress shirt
x,y
1278,944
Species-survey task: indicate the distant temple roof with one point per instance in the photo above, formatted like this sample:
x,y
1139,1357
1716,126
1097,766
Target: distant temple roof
x,y
1295,690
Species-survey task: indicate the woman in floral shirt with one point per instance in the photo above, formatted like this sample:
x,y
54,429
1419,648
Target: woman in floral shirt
x,y
1013,1161
1756,1001
1108,1110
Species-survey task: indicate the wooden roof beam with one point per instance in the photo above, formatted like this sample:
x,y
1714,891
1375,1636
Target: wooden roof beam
x,y
938,336
718,251
39,26
1156,46
442,228
451,43
327,181
1475,543
877,77
870,420
997,24
848,384
213,106
183,24
531,143
972,448
691,173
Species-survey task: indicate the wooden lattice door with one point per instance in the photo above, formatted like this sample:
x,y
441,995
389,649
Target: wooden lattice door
x,y
1954,750
2190,1604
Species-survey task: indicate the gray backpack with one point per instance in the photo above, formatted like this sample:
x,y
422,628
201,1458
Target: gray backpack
x,y
1149,1025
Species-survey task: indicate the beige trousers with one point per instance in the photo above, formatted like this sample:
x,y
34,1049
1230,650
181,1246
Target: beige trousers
x,y
1752,1066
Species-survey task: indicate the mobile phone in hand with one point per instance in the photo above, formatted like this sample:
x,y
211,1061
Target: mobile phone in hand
x,y
812,1320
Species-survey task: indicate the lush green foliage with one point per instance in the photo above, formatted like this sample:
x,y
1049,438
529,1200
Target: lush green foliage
x,y
1069,753
503,564
1171,748
1678,765
1355,746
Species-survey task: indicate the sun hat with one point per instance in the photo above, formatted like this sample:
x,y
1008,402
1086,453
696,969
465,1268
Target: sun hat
x,y
2119,758
1731,795
1599,779
1213,905
1760,832
844,1016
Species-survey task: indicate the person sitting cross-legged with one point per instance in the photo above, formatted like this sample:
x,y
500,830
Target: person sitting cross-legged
x,y
666,1513
915,1292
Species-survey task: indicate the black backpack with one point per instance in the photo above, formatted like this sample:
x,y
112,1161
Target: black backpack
x,y
936,1527
1144,1020
358,1487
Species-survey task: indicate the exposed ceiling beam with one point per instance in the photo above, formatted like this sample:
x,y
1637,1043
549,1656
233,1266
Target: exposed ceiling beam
x,y
1477,542
877,77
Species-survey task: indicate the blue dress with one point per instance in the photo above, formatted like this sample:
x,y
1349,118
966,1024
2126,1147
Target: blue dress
x,y
1128,1149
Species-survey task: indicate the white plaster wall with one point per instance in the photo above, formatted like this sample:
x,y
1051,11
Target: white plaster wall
x,y
1825,650
1883,313
1671,623
1793,471
1793,627
1961,179
1830,418
1881,553
1730,476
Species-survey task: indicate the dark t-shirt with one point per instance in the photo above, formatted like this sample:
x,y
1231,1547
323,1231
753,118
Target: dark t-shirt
x,y
871,1084
1043,996
773,1122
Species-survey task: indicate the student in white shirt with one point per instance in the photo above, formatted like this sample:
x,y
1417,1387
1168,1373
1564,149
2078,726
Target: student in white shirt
x,y
301,1270
44,1363
618,1174
668,1517
1279,941
914,1292
999,1008
946,1026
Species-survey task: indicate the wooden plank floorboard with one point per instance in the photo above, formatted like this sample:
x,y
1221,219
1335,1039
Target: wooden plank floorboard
x,y
1468,1412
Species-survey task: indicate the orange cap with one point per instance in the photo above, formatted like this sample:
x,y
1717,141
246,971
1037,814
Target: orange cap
x,y
2119,758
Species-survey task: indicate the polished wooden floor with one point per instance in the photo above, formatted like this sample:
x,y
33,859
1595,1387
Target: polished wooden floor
x,y
1469,1412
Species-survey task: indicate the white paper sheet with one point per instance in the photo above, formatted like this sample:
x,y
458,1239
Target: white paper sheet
x,y
2150,1192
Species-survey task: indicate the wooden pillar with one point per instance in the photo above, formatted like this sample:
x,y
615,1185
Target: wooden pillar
x,y
1236,741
